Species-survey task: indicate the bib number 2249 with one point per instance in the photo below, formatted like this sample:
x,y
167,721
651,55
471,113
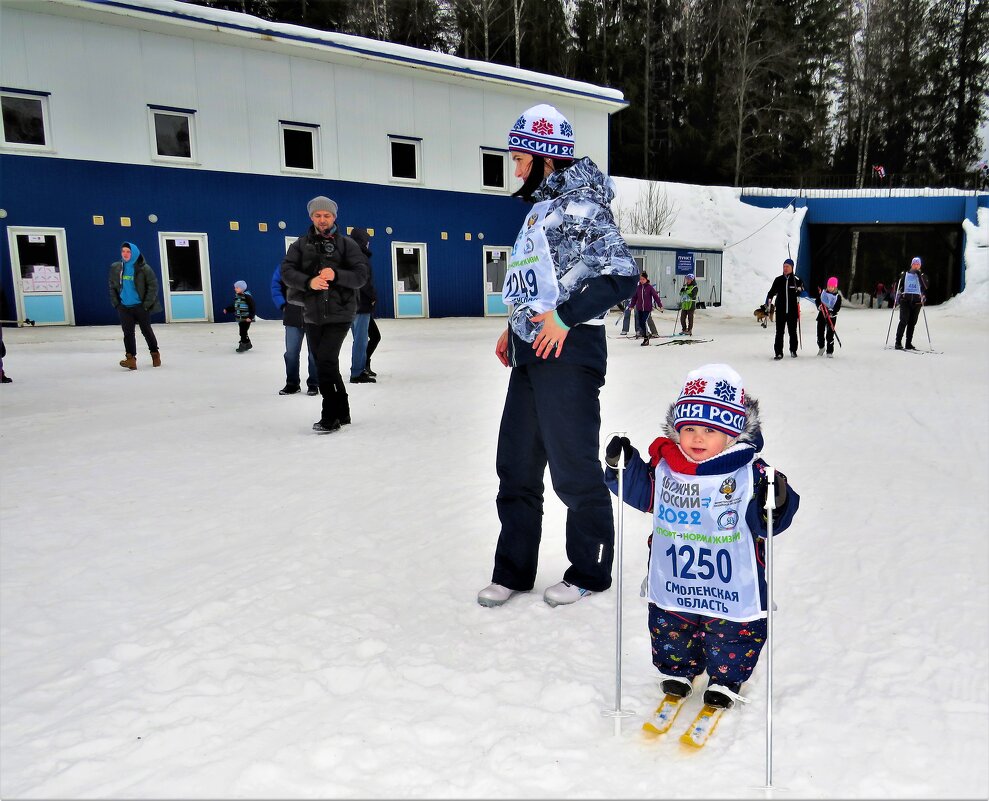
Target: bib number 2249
x,y
523,284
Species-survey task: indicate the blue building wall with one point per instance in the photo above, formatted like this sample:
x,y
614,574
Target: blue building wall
x,y
61,193
935,209
876,210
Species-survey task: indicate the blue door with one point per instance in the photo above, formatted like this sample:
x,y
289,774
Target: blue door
x,y
495,267
409,274
41,275
185,277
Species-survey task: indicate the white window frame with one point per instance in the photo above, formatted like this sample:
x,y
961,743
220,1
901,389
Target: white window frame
x,y
503,154
43,98
190,115
700,268
416,142
311,128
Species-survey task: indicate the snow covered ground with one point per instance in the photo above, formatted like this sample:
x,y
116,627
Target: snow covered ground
x,y
201,599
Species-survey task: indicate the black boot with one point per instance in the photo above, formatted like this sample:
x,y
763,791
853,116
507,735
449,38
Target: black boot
x,y
680,687
716,696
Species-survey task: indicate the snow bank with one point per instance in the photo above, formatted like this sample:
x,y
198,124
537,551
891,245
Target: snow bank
x,y
975,298
755,240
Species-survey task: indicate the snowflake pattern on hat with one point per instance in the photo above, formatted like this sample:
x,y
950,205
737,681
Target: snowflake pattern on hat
x,y
565,129
695,387
543,127
724,390
519,124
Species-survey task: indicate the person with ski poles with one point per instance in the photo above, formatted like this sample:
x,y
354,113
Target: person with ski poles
x,y
705,487
569,266
785,293
688,299
911,293
828,304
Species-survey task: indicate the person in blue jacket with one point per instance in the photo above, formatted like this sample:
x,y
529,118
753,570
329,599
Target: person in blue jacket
x,y
134,294
569,266
706,489
295,335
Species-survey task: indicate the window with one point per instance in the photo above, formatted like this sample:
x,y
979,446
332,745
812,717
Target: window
x,y
25,119
300,146
494,169
700,269
404,158
640,264
172,133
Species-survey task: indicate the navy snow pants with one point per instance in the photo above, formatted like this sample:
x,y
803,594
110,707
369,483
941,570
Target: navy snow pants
x,y
686,645
553,416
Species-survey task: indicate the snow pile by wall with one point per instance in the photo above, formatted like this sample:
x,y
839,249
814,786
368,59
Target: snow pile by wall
x,y
975,297
755,240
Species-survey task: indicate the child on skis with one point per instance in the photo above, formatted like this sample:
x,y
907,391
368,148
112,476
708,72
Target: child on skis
x,y
828,303
706,490
243,309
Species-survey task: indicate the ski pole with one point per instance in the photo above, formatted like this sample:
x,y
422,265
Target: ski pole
x,y
800,326
618,713
770,506
827,316
892,311
924,310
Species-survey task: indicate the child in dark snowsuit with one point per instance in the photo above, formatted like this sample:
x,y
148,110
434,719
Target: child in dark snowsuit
x,y
243,309
706,489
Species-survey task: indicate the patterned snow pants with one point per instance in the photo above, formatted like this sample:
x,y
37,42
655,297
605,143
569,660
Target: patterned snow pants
x,y
687,645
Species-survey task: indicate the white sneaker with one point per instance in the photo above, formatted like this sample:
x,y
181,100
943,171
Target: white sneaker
x,y
830,355
564,593
495,595
820,351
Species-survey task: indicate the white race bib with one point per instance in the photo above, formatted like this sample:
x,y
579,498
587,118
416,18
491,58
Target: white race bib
x,y
703,558
531,277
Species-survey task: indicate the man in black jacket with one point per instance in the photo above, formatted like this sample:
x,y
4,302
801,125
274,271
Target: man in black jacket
x,y
785,293
325,269
911,288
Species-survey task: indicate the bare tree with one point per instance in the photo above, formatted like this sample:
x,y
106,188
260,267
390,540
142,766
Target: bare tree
x,y
754,66
652,215
480,17
518,8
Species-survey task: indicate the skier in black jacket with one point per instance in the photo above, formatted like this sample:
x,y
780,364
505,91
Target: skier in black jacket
x,y
785,293
911,292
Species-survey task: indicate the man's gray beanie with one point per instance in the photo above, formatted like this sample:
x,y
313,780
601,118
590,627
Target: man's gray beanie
x,y
321,203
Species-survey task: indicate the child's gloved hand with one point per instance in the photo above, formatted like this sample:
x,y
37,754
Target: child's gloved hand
x,y
779,495
617,447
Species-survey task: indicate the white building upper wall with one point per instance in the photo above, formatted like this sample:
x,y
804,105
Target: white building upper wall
x,y
104,68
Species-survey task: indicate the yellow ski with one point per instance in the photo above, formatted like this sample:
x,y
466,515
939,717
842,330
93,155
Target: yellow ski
x,y
664,715
703,726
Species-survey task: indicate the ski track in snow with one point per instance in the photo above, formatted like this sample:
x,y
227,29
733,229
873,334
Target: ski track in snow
x,y
202,599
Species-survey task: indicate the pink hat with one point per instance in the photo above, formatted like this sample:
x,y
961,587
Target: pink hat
x,y
832,282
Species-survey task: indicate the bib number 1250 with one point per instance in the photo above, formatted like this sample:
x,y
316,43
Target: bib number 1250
x,y
685,562
523,284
